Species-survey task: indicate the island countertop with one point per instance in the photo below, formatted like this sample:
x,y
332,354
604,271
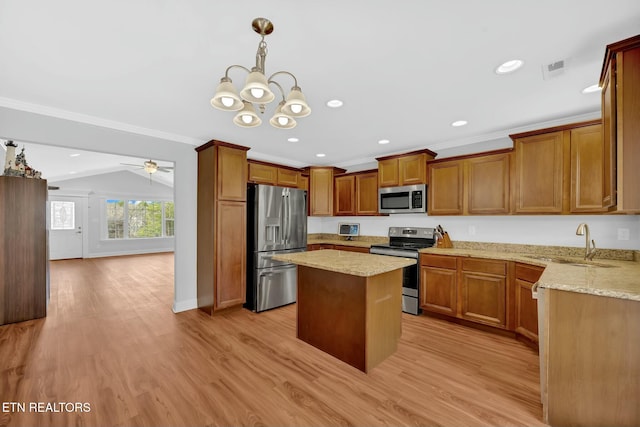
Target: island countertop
x,y
355,263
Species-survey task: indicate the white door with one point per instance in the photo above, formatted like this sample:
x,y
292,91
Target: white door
x,y
66,227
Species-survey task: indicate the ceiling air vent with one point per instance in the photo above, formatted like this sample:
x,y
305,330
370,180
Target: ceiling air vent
x,y
554,69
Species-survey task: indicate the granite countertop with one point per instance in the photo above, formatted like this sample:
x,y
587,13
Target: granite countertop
x,y
354,263
603,277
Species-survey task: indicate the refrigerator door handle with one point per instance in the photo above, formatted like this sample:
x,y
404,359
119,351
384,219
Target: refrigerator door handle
x,y
287,229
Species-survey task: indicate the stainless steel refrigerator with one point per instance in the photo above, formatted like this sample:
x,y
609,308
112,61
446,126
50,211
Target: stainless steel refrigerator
x,y
276,223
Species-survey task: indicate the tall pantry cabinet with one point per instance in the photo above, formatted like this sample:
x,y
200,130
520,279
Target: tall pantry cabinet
x,y
24,261
222,225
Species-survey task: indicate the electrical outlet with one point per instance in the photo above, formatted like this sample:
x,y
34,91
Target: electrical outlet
x,y
623,234
472,230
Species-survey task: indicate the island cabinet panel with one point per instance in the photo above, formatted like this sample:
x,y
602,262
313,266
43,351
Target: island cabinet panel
x,y
589,360
620,82
445,191
526,307
344,194
353,318
231,221
539,173
24,263
587,169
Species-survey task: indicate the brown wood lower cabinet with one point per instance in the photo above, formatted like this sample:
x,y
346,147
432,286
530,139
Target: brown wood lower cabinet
x,y
481,291
438,284
230,258
526,307
351,248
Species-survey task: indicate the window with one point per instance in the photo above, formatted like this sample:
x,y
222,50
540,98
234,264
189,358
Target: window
x,y
115,219
133,219
63,215
169,219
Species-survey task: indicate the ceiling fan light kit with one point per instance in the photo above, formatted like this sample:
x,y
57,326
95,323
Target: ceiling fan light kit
x,y
257,91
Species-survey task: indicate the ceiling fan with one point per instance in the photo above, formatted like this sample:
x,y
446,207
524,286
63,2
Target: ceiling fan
x,y
150,167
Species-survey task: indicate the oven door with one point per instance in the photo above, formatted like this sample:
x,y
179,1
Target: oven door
x,y
410,278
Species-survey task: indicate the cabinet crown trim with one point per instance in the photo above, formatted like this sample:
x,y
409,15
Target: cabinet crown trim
x,y
471,156
410,153
568,126
217,143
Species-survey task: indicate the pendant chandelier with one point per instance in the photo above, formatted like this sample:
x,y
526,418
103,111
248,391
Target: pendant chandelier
x,y
256,91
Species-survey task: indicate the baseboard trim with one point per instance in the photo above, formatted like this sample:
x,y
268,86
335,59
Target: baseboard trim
x,y
122,253
179,306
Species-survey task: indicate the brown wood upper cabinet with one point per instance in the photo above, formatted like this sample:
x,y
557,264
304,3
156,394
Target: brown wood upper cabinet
x,y
356,193
620,82
470,185
222,190
559,170
321,189
404,169
272,174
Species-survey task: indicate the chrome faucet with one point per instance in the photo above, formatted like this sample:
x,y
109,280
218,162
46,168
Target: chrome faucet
x,y
590,249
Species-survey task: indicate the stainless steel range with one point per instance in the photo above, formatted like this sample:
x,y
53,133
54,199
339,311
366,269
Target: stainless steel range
x,y
406,242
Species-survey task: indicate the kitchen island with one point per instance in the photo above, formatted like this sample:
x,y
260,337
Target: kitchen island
x,y
349,304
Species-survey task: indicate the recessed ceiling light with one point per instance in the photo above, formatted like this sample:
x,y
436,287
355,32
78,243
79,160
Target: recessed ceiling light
x,y
74,155
320,155
509,66
293,140
334,103
591,89
383,141
459,123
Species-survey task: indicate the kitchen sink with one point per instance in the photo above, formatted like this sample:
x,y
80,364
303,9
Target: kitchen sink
x,y
560,260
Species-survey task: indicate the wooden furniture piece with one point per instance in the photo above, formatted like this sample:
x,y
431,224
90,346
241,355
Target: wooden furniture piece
x,y
526,307
321,189
273,174
404,169
222,225
24,263
475,290
620,83
483,291
349,304
559,170
589,352
477,184
356,193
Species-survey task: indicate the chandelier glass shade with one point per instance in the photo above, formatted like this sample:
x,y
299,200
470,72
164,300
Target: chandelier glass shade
x,y
257,91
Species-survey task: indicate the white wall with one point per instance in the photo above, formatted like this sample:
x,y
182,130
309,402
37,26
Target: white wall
x,y
122,185
25,126
547,230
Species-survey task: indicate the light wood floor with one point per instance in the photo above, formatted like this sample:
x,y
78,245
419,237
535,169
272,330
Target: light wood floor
x,y
111,340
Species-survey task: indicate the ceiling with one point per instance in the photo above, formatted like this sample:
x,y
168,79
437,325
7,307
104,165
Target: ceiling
x,y
404,70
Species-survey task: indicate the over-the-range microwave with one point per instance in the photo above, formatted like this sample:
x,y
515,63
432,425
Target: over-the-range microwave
x,y
404,199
